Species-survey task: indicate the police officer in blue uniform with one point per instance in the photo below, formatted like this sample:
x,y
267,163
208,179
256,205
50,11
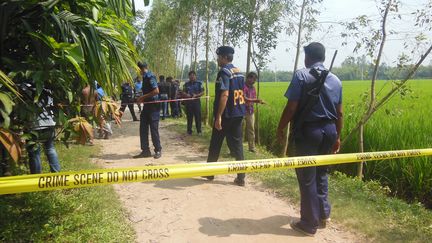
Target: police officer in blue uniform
x,y
149,117
164,88
193,89
318,132
127,99
229,109
137,90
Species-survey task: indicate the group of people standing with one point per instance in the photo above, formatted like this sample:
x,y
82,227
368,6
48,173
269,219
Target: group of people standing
x,y
168,91
155,98
313,109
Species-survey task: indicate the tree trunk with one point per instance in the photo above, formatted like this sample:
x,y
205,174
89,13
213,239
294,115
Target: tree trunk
x,y
248,56
191,44
224,30
207,108
299,34
252,17
361,150
257,127
196,43
176,57
182,63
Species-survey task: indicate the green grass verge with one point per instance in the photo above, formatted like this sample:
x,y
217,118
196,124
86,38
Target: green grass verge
x,y
362,207
74,215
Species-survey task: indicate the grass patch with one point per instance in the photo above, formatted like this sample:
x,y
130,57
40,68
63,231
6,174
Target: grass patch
x,y
362,207
73,215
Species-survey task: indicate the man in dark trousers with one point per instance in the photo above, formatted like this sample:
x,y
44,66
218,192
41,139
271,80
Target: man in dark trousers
x,y
149,117
193,89
229,110
172,95
316,130
127,99
163,95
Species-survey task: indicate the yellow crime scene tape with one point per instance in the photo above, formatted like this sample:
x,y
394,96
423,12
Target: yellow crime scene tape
x,y
87,178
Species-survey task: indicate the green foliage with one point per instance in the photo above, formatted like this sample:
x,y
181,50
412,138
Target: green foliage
x,y
84,215
164,27
359,68
62,46
201,70
360,205
404,124
364,207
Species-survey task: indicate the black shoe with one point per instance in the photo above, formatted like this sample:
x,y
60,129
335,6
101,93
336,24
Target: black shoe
x,y
135,120
157,154
210,178
239,182
143,154
297,227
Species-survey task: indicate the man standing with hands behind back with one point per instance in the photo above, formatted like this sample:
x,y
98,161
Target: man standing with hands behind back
x,y
228,110
317,124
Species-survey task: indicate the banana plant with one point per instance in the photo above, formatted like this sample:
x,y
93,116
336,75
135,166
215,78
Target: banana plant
x,y
107,108
82,129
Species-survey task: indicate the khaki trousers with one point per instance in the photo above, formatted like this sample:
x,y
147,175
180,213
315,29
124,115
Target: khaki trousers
x,y
250,130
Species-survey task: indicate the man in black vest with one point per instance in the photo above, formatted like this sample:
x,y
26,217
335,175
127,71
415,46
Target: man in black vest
x,y
228,110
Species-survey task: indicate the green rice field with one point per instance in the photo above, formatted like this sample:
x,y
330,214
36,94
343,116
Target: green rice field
x,y
403,123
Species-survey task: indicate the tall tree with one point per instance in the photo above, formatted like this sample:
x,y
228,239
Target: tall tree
x,y
374,46
250,20
164,28
304,24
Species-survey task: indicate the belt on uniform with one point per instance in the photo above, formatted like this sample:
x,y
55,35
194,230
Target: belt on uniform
x,y
319,122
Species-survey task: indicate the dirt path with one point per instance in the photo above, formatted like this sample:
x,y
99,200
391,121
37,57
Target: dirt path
x,y
194,210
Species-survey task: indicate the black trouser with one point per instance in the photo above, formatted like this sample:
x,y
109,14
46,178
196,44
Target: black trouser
x,y
175,106
149,119
164,106
193,109
232,130
138,94
318,138
131,109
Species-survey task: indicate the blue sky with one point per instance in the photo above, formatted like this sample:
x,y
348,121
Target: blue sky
x,y
333,11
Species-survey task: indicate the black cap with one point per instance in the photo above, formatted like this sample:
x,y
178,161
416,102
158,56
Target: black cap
x,y
142,65
225,50
316,51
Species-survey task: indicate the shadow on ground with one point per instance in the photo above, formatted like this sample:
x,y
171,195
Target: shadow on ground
x,y
181,184
242,226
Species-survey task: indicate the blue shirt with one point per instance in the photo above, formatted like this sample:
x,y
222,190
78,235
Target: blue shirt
x,y
193,88
330,96
149,84
138,86
100,93
230,78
